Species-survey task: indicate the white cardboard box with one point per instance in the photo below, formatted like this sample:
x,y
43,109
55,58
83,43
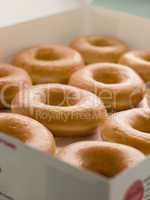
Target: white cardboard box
x,y
26,174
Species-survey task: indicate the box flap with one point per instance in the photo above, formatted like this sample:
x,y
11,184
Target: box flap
x,y
16,11
134,7
27,174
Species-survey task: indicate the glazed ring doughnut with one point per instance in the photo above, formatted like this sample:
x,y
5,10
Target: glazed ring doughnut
x,y
95,49
65,110
28,131
12,79
118,86
103,158
131,127
139,61
49,63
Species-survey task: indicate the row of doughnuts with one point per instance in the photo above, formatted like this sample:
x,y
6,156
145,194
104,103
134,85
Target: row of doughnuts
x,y
119,87
103,75
55,63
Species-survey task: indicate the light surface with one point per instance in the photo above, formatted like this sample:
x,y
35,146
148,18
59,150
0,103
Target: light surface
x,y
12,11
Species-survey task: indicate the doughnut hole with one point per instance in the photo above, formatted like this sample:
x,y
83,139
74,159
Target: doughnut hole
x,y
100,42
59,97
7,91
141,123
4,73
147,58
46,54
7,94
102,161
107,77
144,56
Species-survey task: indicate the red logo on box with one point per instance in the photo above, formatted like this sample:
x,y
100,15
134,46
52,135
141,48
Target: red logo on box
x,y
135,192
8,144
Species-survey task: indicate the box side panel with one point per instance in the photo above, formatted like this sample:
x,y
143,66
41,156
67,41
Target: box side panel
x,y
134,184
58,29
22,176
66,187
28,174
133,30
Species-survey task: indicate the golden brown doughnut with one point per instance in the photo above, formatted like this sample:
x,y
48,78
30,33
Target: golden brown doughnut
x,y
28,131
65,110
49,63
95,49
12,79
104,158
131,127
139,60
118,86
